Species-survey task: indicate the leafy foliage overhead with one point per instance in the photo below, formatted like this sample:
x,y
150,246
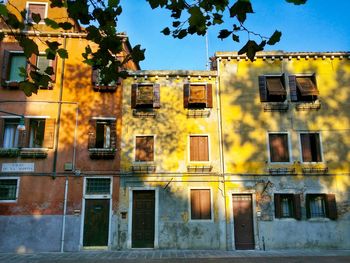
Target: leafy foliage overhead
x,y
99,18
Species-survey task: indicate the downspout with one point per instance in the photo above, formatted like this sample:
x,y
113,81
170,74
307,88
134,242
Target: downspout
x,y
221,145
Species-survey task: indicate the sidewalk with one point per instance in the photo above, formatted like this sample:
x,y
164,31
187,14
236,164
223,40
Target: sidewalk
x,y
170,255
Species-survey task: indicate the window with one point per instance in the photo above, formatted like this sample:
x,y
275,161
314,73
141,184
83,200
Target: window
x,y
10,137
145,96
8,189
279,147
36,133
321,205
39,133
102,134
311,147
99,86
96,186
12,64
272,89
200,204
144,150
303,88
37,8
199,151
287,206
198,95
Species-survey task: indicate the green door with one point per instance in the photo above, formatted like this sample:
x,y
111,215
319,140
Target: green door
x,y
96,222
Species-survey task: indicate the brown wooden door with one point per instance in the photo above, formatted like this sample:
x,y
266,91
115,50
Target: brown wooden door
x,y
96,222
243,221
143,219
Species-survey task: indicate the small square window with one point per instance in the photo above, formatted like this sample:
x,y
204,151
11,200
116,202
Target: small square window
x,y
272,89
17,61
279,147
37,8
197,96
200,204
144,149
42,63
145,96
8,189
199,148
311,147
287,206
11,133
103,134
303,88
96,186
316,205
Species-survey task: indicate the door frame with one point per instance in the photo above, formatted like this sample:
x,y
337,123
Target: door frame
x,y
255,222
87,196
156,205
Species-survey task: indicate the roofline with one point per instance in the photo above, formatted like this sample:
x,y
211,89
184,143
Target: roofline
x,y
177,73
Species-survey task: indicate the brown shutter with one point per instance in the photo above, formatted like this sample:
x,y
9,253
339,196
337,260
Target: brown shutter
x,y
2,132
32,63
277,206
293,88
133,95
209,96
92,134
54,68
205,206
307,206
113,135
186,94
5,66
138,148
331,207
156,96
263,89
49,135
275,87
195,204
150,148
297,207
317,147
94,76
306,147
194,146
23,136
203,151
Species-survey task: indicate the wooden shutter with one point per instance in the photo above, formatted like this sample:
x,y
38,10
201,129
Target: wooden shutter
x,y
23,136
331,207
113,135
306,147
133,95
2,132
5,66
156,96
263,89
307,206
144,151
54,68
195,204
186,95
317,147
49,135
205,204
297,207
32,63
150,148
199,148
209,96
92,134
278,212
293,88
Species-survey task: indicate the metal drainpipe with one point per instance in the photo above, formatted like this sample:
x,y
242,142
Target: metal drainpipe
x,y
221,145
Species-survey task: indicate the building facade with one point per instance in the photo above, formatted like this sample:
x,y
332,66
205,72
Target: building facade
x,y
248,155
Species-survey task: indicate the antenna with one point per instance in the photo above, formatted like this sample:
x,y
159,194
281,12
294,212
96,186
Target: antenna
x,y
207,51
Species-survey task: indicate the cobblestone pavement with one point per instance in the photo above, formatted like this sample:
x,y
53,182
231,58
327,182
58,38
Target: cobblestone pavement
x,y
169,256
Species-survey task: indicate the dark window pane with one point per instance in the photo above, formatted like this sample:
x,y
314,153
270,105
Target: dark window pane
x,y
98,186
8,189
103,134
200,204
279,150
37,129
311,148
317,205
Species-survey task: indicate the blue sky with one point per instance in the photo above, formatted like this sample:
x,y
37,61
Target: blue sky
x,y
319,25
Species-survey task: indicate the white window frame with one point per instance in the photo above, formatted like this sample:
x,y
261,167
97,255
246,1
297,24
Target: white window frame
x,y
7,118
35,117
189,148
154,149
10,64
17,189
211,205
37,3
301,149
289,147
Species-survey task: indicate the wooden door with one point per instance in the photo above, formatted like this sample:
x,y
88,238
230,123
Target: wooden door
x,y
243,221
143,219
96,222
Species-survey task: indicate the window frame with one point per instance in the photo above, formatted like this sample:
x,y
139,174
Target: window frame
x,y
282,76
211,205
296,95
301,147
154,148
189,148
17,188
9,66
289,147
28,20
98,196
295,199
28,131
308,205
207,103
156,102
5,118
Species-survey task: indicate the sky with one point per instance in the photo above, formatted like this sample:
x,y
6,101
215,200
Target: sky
x,y
318,25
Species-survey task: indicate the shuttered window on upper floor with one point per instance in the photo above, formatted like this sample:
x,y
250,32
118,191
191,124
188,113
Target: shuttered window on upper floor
x,y
145,96
144,148
279,147
198,96
102,134
199,148
303,88
36,8
272,89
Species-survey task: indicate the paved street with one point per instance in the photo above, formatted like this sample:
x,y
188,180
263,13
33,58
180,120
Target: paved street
x,y
193,256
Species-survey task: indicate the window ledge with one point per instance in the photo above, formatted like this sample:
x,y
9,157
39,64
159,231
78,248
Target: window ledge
x,y
198,113
288,219
11,84
197,168
318,219
101,88
33,152
310,170
304,106
282,171
143,167
102,153
151,113
9,152
275,106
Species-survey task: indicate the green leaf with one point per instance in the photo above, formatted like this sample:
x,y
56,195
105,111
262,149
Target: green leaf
x,y
240,10
197,18
29,47
50,54
297,2
65,25
235,37
224,33
36,18
49,71
62,53
176,23
56,3
28,88
166,31
23,72
3,10
276,36
157,3
250,49
51,23
113,3
137,53
2,36
53,45
181,34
